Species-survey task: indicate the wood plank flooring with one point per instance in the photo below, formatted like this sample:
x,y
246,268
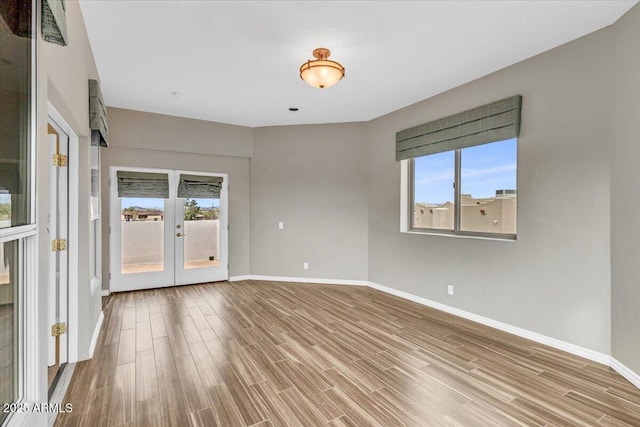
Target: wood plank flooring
x,y
280,354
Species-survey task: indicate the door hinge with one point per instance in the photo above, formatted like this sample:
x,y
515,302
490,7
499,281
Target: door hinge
x,y
59,245
59,160
58,329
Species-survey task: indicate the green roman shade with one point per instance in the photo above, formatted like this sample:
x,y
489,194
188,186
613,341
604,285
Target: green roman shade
x,y
143,184
54,22
97,115
199,187
493,122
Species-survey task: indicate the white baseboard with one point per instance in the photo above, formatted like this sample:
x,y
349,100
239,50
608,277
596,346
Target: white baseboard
x,y
96,333
301,280
524,333
627,373
239,278
105,292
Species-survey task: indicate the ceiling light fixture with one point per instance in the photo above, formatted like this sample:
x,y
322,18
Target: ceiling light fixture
x,y
321,72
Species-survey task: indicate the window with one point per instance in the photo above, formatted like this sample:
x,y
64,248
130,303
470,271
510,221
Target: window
x,y
459,172
17,219
94,230
468,191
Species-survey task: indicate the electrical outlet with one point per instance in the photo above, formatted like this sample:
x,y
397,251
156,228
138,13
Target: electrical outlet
x,y
450,289
281,226
305,265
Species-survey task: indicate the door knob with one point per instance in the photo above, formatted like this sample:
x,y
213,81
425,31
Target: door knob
x,y
178,226
180,235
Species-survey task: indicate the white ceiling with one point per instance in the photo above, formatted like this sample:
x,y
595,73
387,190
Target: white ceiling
x,y
237,61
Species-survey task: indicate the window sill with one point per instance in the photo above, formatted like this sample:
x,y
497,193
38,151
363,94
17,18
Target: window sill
x,y
463,235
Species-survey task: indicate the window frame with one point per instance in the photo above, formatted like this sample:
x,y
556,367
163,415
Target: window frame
x,y
408,203
26,236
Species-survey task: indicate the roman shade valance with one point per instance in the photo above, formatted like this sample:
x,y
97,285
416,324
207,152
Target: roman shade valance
x,y
493,122
143,184
97,115
54,22
198,186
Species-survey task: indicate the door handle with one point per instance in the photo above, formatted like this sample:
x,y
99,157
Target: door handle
x,y
180,235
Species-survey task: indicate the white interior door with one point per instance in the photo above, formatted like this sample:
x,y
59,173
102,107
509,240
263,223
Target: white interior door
x,y
201,228
58,230
152,244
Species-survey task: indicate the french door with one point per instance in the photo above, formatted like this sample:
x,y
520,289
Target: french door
x,y
167,228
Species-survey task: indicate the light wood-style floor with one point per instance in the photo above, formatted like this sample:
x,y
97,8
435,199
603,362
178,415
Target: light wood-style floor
x,y
281,354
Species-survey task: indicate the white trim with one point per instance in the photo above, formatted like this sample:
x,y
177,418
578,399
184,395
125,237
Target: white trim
x,y
524,333
105,292
625,371
404,196
15,233
300,280
240,278
96,333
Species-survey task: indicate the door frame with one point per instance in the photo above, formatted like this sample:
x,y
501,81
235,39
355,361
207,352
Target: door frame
x,y
73,231
58,228
170,239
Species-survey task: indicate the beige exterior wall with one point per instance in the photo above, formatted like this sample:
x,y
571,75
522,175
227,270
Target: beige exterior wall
x,y
142,241
489,215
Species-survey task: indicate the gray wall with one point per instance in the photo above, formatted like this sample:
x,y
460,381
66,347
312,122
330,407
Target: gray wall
x,y
554,279
625,193
140,139
312,178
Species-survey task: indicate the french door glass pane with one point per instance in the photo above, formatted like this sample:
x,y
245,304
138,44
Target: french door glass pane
x,y
201,233
488,196
433,192
142,228
8,323
15,113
